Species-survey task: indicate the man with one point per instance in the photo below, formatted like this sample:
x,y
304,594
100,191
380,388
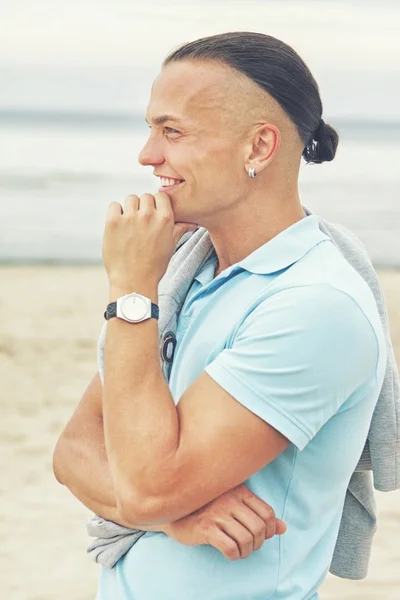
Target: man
x,y
280,352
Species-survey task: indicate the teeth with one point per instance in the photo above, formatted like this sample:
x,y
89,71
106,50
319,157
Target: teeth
x,y
165,182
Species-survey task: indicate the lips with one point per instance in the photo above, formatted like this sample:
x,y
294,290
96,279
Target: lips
x,y
169,188
169,181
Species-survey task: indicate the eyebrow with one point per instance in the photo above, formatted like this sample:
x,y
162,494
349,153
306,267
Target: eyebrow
x,y
162,119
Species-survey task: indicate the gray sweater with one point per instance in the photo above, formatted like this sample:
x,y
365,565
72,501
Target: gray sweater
x,y
379,465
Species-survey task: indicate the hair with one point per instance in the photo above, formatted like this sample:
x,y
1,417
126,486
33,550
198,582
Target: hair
x,y
279,71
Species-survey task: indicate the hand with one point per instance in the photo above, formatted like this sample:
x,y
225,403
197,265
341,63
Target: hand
x,y
236,524
139,241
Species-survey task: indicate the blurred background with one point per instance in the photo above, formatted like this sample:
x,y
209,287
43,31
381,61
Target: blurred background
x,y
75,79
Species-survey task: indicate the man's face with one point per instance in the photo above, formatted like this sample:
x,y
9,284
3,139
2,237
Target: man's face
x,y
195,140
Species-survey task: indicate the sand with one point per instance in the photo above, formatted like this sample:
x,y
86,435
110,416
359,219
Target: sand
x,y
50,318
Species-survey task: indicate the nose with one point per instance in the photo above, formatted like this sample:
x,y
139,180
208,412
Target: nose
x,y
151,153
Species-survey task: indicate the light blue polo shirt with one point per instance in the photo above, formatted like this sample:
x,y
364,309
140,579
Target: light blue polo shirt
x,y
293,333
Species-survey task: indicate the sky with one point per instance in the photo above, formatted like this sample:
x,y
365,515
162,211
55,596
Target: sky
x,y
103,55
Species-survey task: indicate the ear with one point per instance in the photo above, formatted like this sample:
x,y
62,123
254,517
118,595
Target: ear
x,y
264,145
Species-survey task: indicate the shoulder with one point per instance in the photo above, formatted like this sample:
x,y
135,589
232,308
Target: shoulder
x,y
309,303
298,356
317,321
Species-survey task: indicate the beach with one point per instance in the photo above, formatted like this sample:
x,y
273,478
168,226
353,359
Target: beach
x,y
50,318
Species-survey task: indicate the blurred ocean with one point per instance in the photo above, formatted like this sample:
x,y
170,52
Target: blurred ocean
x,y
59,172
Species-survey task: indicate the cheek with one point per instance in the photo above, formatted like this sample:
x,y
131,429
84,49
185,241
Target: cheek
x,y
212,165
214,161
225,164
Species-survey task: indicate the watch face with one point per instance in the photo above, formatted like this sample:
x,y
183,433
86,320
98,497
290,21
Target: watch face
x,y
134,308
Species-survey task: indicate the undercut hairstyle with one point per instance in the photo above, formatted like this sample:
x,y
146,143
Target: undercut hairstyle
x,y
278,70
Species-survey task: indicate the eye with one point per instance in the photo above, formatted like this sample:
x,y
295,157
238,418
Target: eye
x,y
170,130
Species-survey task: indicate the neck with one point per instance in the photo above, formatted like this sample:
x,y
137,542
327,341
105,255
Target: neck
x,y
240,230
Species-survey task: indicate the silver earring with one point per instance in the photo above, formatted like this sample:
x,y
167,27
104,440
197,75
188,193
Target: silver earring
x,y
251,172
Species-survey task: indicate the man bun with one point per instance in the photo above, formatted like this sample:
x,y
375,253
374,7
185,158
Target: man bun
x,y
322,145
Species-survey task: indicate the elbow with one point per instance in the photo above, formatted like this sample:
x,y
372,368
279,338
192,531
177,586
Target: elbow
x,y
57,462
61,457
135,509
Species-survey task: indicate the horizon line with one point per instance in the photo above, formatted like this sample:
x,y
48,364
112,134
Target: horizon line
x,y
99,115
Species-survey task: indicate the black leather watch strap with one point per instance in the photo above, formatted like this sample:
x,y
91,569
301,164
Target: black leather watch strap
x,y
112,311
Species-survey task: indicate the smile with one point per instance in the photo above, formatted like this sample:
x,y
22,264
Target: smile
x,y
168,184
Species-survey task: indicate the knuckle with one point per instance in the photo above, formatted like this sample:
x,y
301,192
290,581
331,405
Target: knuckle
x,y
269,513
217,513
246,549
167,217
113,221
206,524
260,530
270,530
223,501
244,491
258,544
270,534
233,494
247,539
233,497
231,551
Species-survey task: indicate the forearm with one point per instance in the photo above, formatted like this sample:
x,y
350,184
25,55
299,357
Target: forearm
x,y
141,422
85,472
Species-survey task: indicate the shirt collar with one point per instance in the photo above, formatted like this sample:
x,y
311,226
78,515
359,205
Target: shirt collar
x,y
286,248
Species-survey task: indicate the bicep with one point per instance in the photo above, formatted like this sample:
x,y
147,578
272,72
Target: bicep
x,y
292,365
221,440
298,358
222,444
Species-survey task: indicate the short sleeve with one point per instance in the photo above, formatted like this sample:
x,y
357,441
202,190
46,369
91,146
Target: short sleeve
x,y
297,357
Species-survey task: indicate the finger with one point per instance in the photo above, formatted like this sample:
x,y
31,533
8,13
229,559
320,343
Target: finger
x,y
224,543
252,523
280,527
146,203
164,209
131,203
114,210
263,510
163,202
243,536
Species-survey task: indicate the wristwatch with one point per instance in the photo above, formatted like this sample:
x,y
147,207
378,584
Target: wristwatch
x,y
133,308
